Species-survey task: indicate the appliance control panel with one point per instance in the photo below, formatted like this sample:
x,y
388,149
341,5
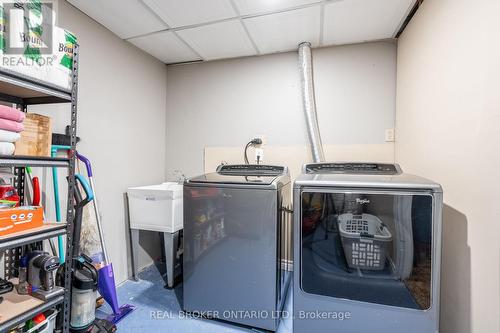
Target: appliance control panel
x,y
252,169
353,168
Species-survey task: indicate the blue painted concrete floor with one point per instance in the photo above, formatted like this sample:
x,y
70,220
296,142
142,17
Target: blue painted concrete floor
x,y
158,309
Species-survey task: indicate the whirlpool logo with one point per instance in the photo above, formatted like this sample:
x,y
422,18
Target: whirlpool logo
x,y
362,201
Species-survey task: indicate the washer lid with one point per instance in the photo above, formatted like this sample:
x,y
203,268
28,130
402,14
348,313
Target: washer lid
x,y
217,178
246,174
251,170
360,168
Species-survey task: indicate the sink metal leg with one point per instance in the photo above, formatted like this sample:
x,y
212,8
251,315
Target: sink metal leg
x,y
170,241
134,248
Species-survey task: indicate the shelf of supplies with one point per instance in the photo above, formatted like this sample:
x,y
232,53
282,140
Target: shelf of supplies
x,y
48,230
18,88
34,161
23,90
16,309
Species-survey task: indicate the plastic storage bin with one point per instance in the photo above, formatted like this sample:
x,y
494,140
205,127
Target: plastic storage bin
x,y
156,207
364,239
46,326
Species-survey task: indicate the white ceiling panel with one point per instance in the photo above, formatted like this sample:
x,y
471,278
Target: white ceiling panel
x,y
165,46
351,21
125,18
219,40
181,13
250,7
284,31
187,30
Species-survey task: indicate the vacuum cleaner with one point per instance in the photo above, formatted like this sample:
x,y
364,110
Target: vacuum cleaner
x,y
84,283
41,267
106,285
84,277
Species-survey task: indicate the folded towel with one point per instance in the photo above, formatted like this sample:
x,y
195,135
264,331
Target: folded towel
x,y
8,136
6,148
11,125
6,112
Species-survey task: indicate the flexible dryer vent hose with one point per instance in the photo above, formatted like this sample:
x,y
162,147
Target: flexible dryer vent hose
x,y
309,102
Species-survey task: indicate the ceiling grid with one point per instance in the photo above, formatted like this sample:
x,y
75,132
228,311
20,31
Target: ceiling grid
x,y
245,27
176,31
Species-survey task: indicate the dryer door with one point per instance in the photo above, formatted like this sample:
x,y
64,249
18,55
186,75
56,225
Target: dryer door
x,y
368,246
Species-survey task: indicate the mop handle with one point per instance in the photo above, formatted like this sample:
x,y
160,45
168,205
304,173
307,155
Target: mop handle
x,y
86,161
60,244
86,188
88,165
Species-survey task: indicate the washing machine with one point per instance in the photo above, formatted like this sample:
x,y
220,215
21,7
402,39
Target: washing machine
x,y
237,243
367,249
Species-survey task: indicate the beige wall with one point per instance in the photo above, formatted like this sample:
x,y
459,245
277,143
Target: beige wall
x,y
227,103
447,129
121,121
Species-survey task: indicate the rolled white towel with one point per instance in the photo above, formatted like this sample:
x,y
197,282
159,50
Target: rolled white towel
x,y
7,148
8,136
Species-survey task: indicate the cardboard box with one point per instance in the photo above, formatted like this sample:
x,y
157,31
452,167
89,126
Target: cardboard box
x,y
36,139
19,219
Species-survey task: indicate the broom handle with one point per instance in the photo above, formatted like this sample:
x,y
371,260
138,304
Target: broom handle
x,y
99,226
88,165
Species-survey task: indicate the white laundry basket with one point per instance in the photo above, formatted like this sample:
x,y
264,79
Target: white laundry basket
x,y
365,240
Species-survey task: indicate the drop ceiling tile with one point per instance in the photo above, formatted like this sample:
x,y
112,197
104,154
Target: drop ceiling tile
x,y
165,46
219,40
181,13
249,7
125,18
286,30
351,21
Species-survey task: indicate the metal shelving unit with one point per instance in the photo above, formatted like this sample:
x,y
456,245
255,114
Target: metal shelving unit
x,y
49,230
34,161
24,91
31,312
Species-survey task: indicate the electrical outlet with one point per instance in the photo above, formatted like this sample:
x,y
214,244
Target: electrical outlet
x,y
259,155
389,135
